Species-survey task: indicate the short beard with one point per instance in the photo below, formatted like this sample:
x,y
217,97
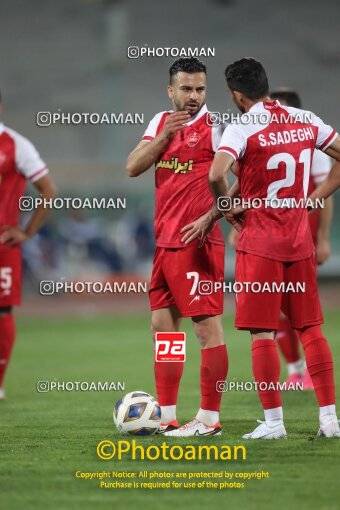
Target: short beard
x,y
241,108
178,109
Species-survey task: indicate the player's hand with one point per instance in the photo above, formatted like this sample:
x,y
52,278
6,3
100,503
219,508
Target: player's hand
x,y
175,122
233,238
12,235
235,217
322,251
199,228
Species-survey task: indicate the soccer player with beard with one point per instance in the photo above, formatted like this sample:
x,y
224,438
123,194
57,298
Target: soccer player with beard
x,y
19,163
274,156
181,144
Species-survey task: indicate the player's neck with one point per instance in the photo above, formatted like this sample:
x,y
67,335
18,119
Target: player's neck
x,y
250,104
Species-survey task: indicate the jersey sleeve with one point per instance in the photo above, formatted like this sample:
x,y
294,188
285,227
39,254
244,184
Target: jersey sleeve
x,y
151,130
321,166
27,158
326,134
233,142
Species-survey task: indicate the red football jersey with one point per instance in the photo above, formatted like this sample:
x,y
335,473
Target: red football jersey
x,y
19,161
181,177
274,145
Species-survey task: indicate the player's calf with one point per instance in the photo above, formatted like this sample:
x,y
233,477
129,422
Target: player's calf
x,y
214,367
288,343
167,374
266,370
7,337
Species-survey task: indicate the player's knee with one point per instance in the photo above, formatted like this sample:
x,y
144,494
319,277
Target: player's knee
x,y
209,334
154,328
158,326
258,334
201,333
5,310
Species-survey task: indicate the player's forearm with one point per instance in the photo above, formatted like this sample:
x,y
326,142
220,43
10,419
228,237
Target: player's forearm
x,y
329,185
218,175
142,158
218,186
326,215
233,192
40,214
36,222
215,213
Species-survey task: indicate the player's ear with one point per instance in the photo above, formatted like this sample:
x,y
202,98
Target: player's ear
x,y
230,92
238,96
170,91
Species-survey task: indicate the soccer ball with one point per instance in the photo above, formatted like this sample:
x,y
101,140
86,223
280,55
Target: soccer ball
x,y
137,413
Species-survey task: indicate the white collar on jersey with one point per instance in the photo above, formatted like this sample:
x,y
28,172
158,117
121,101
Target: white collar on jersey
x,y
260,105
2,128
198,115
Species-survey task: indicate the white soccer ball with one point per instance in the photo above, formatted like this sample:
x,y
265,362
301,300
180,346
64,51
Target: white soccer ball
x,y
137,413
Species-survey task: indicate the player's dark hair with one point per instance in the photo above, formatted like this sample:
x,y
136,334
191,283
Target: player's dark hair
x,y
187,65
249,77
290,96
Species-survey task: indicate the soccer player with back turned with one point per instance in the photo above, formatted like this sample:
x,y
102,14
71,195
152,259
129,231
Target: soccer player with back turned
x,y
320,223
274,154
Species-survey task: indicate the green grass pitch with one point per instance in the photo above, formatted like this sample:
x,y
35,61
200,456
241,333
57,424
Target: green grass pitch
x,y
45,438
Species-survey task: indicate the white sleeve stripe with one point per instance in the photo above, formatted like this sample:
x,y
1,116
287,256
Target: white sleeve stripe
x,y
227,151
37,175
329,141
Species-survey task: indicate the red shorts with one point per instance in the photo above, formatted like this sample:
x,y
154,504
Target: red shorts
x,y
257,310
176,275
10,277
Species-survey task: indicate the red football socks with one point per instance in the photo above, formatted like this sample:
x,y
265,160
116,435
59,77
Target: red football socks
x,y
288,342
7,336
214,367
266,369
168,376
320,364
